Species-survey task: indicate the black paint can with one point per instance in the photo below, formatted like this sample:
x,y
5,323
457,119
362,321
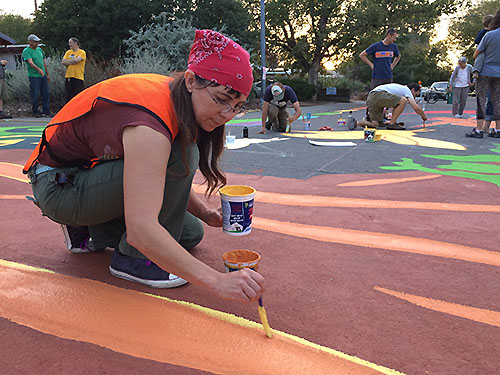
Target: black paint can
x,y
245,132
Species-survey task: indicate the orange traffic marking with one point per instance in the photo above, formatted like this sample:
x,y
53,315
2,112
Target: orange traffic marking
x,y
160,329
385,181
383,241
329,201
13,171
6,196
472,313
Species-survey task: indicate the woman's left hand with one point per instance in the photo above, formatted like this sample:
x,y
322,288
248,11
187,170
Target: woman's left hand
x,y
213,217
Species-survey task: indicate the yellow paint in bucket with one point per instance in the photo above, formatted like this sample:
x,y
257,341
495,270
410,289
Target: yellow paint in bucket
x,y
237,209
237,190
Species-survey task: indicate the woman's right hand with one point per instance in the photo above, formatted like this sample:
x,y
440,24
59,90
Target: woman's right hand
x,y
243,286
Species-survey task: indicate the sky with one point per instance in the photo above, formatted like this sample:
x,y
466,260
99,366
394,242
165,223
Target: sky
x,y
21,7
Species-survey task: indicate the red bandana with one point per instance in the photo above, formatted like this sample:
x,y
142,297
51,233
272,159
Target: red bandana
x,y
219,59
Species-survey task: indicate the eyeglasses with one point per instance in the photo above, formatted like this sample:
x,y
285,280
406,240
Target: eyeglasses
x,y
225,107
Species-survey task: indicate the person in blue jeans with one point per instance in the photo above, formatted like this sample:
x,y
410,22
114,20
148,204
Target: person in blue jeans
x,y
488,81
38,76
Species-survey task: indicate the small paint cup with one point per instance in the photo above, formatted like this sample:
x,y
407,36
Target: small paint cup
x,y
230,139
378,137
237,209
235,260
369,135
341,122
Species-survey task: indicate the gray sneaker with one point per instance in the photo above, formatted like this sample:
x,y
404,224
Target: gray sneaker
x,y
351,123
142,271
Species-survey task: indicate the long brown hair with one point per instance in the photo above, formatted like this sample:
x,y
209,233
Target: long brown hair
x,y
210,144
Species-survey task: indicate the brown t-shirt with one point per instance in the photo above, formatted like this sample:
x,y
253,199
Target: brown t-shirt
x,y
98,134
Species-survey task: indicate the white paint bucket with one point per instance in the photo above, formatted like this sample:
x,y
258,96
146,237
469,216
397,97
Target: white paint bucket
x,y
237,209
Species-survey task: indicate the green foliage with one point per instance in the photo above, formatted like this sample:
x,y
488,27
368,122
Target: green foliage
x,y
18,83
303,33
341,83
16,27
302,88
100,25
18,86
219,15
162,46
463,30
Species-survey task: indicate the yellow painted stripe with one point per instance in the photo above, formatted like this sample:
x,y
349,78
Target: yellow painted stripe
x,y
21,266
468,312
383,241
95,312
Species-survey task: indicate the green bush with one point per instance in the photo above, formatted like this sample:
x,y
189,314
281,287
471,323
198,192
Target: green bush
x,y
19,87
341,83
303,89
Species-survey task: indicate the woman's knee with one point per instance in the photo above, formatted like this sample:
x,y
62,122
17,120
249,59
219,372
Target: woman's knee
x,y
192,232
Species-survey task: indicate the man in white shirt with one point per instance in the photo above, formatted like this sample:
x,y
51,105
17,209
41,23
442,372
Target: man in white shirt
x,y
387,96
459,84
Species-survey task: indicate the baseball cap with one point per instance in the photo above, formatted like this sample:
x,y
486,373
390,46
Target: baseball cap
x,y
34,37
277,92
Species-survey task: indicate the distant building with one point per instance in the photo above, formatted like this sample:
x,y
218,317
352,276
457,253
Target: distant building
x,y
10,51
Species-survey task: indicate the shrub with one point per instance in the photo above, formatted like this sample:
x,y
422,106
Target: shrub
x,y
341,83
19,87
161,46
303,89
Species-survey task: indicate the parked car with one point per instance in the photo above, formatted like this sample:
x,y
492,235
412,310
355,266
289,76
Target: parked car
x,y
438,90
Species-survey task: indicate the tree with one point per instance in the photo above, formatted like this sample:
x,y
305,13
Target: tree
x,y
164,42
463,29
229,15
100,25
15,26
304,33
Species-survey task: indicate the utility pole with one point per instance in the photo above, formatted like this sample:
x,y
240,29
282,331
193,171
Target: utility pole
x,y
262,49
36,6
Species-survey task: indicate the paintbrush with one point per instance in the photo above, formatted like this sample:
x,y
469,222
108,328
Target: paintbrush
x,y
263,319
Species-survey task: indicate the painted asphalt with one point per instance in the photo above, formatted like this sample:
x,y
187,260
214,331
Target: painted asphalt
x,y
296,158
384,253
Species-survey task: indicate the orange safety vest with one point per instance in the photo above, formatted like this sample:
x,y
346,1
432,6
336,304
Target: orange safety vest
x,y
148,92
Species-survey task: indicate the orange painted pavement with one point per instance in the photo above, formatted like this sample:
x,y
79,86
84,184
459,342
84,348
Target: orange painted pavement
x,y
386,181
10,170
6,196
469,122
463,311
158,329
13,171
329,201
383,241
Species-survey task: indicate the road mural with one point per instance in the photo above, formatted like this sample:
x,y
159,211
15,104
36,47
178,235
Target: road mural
x,y
477,167
201,336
